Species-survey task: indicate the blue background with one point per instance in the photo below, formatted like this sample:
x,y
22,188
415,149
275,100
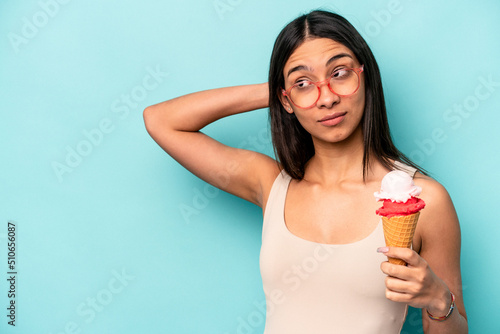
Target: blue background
x,y
156,249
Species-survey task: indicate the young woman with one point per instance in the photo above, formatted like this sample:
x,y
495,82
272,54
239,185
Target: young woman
x,y
322,266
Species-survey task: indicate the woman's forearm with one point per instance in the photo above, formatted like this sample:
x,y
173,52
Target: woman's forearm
x,y
194,111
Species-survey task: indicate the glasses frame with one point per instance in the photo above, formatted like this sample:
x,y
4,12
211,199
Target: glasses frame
x,y
318,85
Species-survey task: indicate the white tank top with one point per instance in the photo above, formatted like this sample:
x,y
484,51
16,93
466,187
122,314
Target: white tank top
x,y
314,288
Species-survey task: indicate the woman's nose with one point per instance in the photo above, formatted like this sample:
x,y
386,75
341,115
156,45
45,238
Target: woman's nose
x,y
327,98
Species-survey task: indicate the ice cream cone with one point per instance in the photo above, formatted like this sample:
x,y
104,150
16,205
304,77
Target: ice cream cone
x,y
398,232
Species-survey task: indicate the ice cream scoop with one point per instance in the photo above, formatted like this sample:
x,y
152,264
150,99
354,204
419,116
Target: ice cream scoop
x,y
397,186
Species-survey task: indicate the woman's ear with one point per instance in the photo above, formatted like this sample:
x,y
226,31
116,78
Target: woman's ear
x,y
286,103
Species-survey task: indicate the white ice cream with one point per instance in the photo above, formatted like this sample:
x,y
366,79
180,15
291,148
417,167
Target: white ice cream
x,y
397,186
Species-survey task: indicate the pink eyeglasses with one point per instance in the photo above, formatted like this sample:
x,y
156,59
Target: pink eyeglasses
x,y
343,82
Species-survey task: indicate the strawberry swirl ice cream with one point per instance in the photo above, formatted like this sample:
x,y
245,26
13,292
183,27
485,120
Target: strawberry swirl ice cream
x,y
398,194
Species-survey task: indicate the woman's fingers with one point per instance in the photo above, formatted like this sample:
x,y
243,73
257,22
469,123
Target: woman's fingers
x,y
400,283
395,270
405,254
402,272
401,286
399,297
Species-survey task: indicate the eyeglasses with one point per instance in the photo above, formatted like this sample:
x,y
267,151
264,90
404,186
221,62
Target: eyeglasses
x,y
343,82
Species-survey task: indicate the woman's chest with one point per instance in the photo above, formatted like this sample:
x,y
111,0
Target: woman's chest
x,y
332,217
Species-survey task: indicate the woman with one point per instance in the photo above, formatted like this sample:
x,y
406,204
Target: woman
x,y
321,269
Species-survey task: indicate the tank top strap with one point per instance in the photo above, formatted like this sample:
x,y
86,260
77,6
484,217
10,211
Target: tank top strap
x,y
277,195
405,168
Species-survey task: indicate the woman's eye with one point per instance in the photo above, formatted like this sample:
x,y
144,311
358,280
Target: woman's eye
x,y
339,74
303,83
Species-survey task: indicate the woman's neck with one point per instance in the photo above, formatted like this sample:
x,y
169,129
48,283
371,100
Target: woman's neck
x,y
337,162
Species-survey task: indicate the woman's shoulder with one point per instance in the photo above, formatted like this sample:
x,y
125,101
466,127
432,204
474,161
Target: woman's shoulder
x,y
439,218
433,192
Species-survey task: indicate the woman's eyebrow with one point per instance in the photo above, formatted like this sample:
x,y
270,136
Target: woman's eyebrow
x,y
331,60
298,68
340,55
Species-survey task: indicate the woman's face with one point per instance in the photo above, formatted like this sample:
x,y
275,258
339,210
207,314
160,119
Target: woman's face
x,y
333,118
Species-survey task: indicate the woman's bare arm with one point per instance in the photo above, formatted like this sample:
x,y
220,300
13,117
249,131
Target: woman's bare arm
x,y
441,243
435,271
175,125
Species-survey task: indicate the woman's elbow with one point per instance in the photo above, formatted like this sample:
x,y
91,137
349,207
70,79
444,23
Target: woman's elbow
x,y
149,118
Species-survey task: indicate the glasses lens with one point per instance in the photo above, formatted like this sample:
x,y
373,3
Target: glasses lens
x,y
304,94
344,82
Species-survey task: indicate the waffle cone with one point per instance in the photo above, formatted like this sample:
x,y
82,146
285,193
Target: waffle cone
x,y
398,232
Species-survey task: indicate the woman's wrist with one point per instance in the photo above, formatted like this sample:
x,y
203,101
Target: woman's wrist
x,y
262,95
245,98
448,314
440,305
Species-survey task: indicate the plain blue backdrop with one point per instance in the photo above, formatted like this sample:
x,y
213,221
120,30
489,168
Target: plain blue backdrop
x,y
113,236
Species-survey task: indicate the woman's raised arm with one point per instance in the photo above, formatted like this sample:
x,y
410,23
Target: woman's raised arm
x,y
175,125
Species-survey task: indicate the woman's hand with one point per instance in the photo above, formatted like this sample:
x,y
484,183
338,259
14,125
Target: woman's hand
x,y
416,284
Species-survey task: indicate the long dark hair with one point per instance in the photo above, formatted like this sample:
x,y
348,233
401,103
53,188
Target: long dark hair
x,y
293,145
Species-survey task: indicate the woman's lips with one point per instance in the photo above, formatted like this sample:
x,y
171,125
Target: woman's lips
x,y
333,119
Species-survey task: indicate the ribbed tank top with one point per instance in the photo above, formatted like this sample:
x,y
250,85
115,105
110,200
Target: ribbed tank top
x,y
314,288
